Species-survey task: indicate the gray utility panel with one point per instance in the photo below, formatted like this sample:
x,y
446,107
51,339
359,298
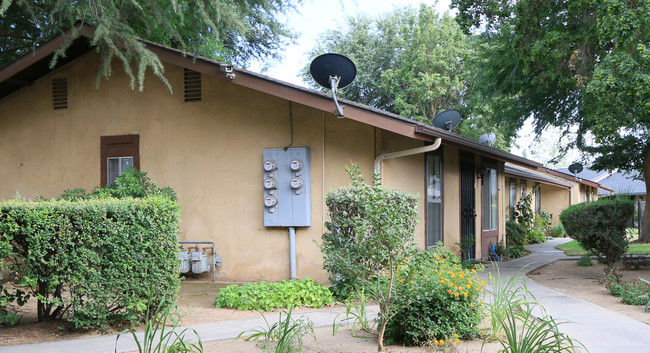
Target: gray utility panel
x,y
287,190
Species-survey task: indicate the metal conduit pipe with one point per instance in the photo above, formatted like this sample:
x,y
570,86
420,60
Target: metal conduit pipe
x,y
292,251
412,151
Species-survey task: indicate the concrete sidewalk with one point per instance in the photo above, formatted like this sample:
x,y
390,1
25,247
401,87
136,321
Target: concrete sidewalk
x,y
600,330
208,332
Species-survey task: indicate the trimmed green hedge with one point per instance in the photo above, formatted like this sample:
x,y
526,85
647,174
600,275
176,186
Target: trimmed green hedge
x,y
599,227
95,261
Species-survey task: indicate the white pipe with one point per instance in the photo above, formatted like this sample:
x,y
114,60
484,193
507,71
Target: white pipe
x,y
412,151
292,251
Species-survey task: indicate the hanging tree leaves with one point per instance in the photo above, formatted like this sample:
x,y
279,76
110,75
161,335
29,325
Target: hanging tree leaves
x,y
236,31
577,63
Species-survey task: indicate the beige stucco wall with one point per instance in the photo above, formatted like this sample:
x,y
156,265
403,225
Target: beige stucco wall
x,y
451,198
210,152
554,200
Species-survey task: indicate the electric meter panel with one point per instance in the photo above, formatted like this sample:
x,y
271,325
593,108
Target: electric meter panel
x,y
286,185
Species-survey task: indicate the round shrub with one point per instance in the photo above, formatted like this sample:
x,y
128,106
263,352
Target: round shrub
x,y
557,231
442,299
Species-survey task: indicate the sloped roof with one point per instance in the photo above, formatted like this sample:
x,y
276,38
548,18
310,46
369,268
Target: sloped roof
x,y
537,176
619,183
30,67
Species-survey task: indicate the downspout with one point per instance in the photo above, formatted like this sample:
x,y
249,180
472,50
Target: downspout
x,y
404,153
292,251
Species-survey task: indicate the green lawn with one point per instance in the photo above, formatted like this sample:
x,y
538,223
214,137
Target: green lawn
x,y
572,248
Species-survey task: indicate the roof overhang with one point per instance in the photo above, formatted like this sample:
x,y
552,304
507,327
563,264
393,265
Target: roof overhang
x,y
570,177
534,175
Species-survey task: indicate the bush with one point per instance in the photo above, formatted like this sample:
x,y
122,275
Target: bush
x,y
599,227
515,234
536,237
631,293
94,261
557,231
441,299
370,233
267,296
585,261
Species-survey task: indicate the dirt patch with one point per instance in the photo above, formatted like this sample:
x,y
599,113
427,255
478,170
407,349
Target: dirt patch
x,y
586,283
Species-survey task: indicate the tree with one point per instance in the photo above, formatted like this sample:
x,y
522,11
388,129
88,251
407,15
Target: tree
x,y
233,31
578,63
414,63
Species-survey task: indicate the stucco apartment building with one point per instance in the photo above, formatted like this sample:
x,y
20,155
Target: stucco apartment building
x,y
220,138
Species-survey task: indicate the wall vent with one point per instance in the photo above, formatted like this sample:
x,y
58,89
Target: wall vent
x,y
192,86
60,93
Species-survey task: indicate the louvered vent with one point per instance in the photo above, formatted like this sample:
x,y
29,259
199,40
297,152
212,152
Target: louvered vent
x,y
192,86
60,93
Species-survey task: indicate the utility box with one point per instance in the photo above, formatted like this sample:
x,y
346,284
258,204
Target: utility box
x,y
287,187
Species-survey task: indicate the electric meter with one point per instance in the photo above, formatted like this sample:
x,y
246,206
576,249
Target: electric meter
x,y
270,201
296,165
296,183
269,183
270,166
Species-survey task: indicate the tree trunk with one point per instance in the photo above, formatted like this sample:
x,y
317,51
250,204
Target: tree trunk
x,y
380,336
644,233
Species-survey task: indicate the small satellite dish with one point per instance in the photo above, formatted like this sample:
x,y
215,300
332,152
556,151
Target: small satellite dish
x,y
488,138
575,168
333,71
447,120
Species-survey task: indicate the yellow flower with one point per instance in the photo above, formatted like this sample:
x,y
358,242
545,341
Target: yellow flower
x,y
460,274
457,340
468,286
442,281
473,271
482,283
457,294
450,292
465,294
471,305
411,281
399,266
490,277
442,341
436,262
435,343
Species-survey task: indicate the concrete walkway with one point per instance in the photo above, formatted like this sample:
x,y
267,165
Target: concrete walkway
x,y
599,329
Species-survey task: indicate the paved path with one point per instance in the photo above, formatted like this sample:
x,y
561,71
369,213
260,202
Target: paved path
x,y
599,329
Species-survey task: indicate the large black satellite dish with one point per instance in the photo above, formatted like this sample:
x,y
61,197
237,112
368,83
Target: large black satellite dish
x,y
333,71
575,168
447,120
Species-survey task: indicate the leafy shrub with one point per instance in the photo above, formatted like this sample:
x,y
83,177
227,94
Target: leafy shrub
x,y
557,231
440,299
515,252
524,212
515,234
536,237
268,296
585,260
599,227
93,261
132,183
631,293
369,235
540,226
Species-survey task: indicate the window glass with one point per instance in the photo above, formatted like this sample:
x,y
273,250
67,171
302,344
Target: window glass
x,y
513,198
434,200
538,198
116,166
489,207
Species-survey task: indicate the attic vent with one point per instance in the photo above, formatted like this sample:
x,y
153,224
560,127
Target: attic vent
x,y
60,93
192,86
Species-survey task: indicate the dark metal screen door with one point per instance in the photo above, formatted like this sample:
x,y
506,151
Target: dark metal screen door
x,y
467,207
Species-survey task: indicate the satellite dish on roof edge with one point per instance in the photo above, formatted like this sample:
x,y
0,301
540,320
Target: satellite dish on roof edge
x,y
575,168
488,138
333,71
447,120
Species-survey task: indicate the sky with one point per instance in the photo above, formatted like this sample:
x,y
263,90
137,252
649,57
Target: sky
x,y
315,17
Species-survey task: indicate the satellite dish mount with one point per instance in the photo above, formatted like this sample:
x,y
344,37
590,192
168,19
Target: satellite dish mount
x,y
333,71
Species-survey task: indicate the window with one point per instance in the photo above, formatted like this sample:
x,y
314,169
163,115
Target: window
x,y
513,199
523,187
434,199
490,214
118,153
